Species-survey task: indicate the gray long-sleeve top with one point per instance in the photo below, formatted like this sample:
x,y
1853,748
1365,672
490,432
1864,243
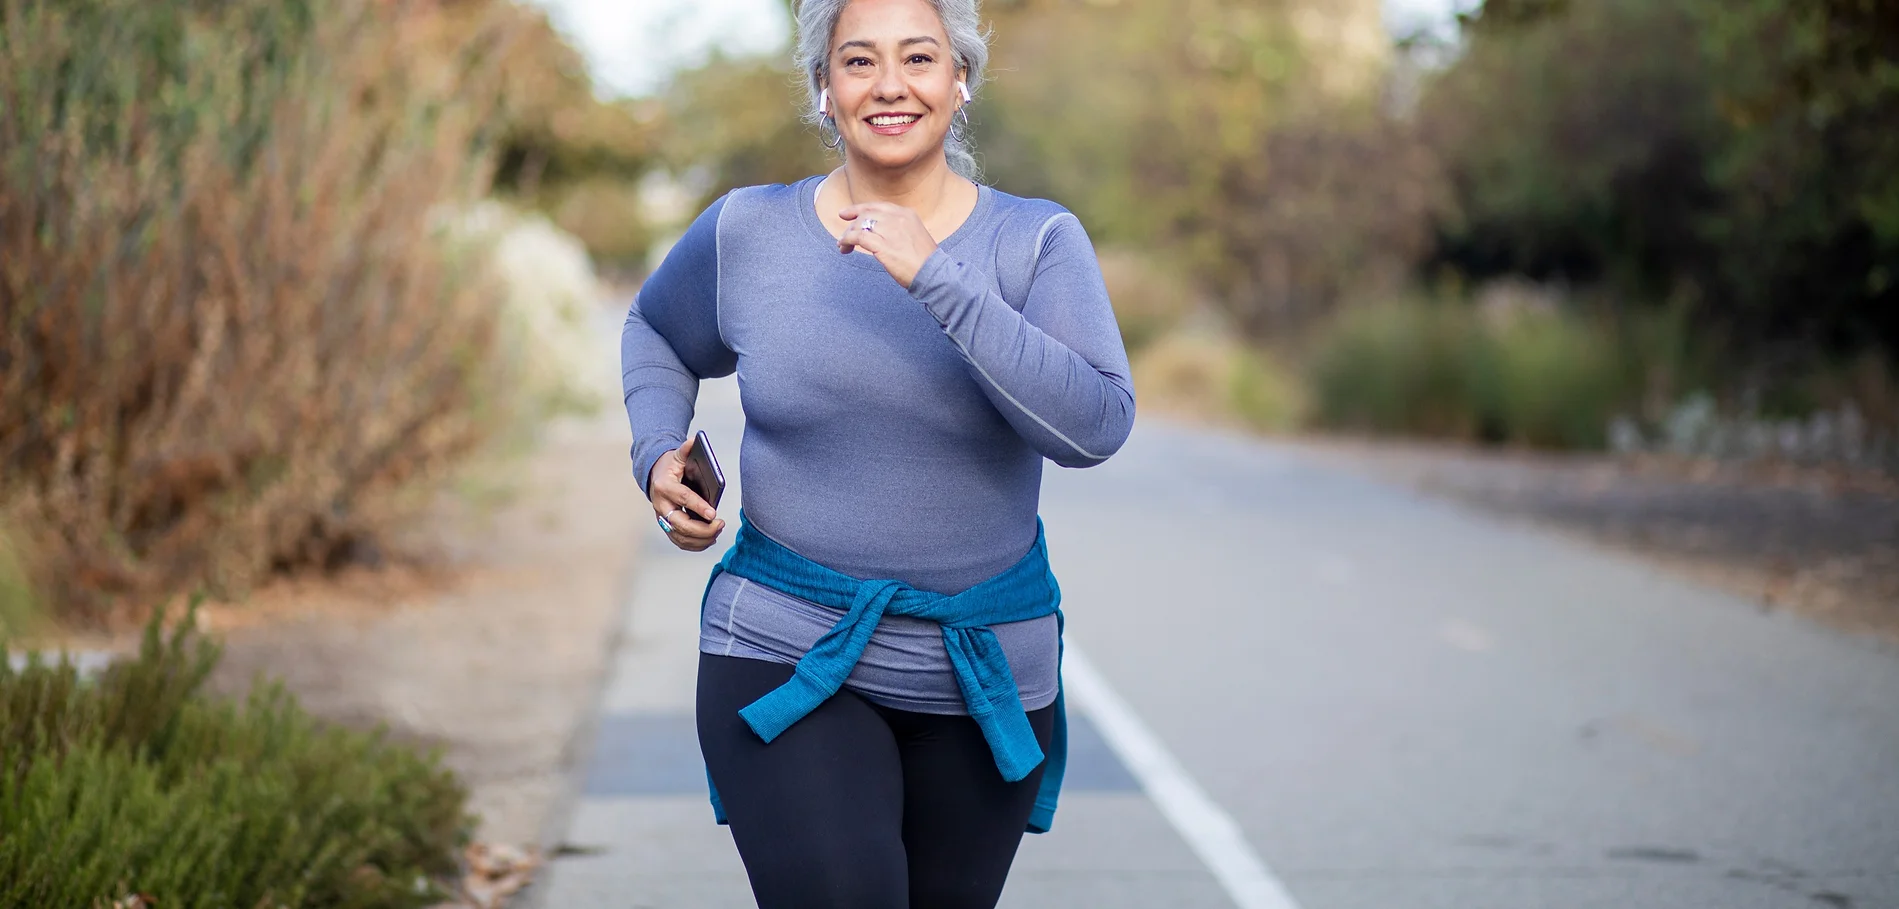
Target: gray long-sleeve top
x,y
889,433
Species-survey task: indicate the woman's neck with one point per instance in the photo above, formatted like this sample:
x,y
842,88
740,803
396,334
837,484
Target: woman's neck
x,y
923,190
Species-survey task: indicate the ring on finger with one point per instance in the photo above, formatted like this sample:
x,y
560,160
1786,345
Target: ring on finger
x,y
664,524
870,225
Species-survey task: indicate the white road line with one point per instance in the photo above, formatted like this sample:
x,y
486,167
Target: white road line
x,y
1211,832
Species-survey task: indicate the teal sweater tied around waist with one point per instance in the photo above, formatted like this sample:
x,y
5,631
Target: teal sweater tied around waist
x,y
1023,591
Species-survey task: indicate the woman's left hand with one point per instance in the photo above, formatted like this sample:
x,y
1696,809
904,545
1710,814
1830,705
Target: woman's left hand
x,y
892,233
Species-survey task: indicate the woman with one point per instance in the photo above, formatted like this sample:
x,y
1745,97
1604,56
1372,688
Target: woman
x,y
878,700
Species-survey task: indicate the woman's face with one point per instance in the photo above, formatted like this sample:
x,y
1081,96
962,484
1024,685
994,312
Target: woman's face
x,y
893,82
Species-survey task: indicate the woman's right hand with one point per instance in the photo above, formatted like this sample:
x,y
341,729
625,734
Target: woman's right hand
x,y
695,526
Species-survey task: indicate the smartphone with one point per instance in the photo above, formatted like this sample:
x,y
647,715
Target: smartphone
x,y
702,471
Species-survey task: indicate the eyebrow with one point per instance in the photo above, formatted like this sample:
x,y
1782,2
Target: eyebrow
x,y
861,42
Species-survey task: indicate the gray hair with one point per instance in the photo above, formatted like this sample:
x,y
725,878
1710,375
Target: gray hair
x,y
969,47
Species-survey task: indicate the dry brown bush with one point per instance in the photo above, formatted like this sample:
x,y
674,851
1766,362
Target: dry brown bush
x,y
232,330
1334,205
1150,299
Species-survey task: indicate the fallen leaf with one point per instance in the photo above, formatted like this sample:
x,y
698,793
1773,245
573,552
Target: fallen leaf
x,y
496,871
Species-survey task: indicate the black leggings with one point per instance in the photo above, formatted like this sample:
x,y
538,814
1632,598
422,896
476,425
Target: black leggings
x,y
859,806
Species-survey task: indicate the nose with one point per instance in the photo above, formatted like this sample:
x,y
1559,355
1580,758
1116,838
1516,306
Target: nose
x,y
889,85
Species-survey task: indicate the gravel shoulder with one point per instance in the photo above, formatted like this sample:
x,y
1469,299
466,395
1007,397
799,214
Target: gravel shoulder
x,y
1820,543
487,633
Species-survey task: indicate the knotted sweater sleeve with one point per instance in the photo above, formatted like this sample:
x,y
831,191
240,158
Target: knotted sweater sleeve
x,y
671,340
1056,370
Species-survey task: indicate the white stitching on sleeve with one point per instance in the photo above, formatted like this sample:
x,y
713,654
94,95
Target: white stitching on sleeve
x,y
718,270
1041,236
1018,404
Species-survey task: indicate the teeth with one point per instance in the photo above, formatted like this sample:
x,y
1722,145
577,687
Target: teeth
x,y
893,120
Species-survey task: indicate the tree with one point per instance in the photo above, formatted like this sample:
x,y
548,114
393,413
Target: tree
x,y
739,122
1738,153
1245,139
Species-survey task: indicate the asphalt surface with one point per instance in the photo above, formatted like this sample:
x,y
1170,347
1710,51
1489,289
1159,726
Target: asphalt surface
x,y
1402,704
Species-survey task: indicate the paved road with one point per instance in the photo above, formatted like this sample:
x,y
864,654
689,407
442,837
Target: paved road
x,y
1401,704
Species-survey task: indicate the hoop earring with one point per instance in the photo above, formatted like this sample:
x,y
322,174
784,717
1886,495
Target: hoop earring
x,y
962,118
836,138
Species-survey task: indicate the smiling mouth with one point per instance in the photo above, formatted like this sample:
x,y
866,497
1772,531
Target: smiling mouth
x,y
892,123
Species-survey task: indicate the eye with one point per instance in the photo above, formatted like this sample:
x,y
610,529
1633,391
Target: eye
x,y
920,59
854,62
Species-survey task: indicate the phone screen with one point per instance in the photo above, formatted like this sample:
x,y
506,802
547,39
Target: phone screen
x,y
702,470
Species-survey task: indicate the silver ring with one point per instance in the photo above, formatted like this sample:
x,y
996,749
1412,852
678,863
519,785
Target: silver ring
x,y
870,224
664,524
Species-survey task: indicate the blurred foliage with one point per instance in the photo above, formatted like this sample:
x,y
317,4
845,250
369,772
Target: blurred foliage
x,y
560,148
740,122
607,215
136,782
1398,367
1214,377
556,131
1242,139
1528,376
1150,299
1263,393
230,332
20,612
1741,156
1546,380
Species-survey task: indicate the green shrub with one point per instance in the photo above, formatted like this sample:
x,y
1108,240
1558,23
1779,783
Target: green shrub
x,y
1149,300
1218,378
1400,367
1536,378
19,612
137,783
1263,394
1557,382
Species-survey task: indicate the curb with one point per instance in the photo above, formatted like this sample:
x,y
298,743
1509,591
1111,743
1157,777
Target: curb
x,y
578,752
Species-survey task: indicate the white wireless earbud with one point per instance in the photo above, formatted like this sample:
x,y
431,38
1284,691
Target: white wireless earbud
x,y
963,89
824,102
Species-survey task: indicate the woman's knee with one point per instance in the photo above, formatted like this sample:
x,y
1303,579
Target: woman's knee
x,y
858,878
957,891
